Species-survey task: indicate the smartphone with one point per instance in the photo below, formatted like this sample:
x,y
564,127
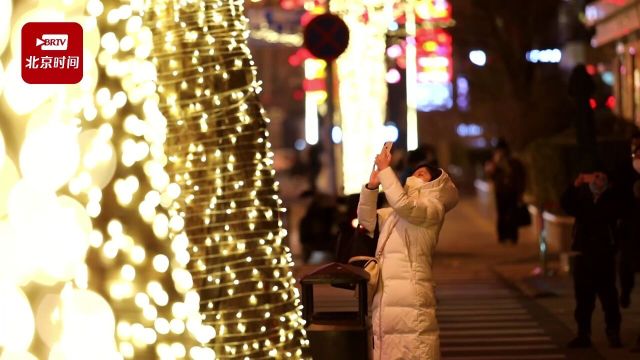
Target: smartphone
x,y
387,147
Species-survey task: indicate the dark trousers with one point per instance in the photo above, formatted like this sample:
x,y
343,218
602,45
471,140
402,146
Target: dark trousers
x,y
627,276
629,261
596,276
507,206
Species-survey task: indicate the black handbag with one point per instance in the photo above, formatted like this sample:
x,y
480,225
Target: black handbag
x,y
523,217
358,243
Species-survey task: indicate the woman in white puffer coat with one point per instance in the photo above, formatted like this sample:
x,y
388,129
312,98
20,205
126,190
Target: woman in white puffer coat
x,y
403,309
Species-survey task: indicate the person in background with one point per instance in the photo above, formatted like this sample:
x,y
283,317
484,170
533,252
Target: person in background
x,y
629,231
318,227
629,235
508,177
403,309
596,210
315,165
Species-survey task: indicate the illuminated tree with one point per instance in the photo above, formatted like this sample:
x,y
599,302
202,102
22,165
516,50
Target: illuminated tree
x,y
219,155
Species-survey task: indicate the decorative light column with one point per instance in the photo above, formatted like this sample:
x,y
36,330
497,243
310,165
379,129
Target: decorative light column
x,y
218,153
361,72
412,76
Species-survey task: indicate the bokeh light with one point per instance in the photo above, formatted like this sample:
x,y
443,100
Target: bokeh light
x,y
8,177
2,81
50,155
16,319
89,324
24,98
478,57
2,145
98,159
49,319
6,10
53,213
89,227
393,76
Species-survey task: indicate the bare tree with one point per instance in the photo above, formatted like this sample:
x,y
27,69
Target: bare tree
x,y
512,97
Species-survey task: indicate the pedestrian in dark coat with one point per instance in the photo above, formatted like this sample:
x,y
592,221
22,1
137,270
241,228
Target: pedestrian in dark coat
x,y
508,177
629,230
318,227
596,209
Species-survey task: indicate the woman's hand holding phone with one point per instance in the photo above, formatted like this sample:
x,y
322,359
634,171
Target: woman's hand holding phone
x,y
386,147
382,162
384,158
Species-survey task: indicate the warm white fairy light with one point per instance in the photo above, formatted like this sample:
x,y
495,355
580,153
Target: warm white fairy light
x,y
219,155
275,37
311,121
412,76
363,88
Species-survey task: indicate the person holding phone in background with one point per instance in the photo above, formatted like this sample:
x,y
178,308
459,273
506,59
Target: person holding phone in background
x,y
403,310
629,229
596,209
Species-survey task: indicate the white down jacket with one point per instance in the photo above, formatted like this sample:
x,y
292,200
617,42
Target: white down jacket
x,y
403,310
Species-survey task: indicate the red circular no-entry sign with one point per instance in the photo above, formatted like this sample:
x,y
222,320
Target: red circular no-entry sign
x,y
326,36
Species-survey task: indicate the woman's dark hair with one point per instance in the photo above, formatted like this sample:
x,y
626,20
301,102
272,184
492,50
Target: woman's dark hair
x,y
433,171
501,144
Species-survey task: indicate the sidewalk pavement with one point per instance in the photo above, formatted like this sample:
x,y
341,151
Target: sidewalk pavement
x,y
520,266
554,290
555,293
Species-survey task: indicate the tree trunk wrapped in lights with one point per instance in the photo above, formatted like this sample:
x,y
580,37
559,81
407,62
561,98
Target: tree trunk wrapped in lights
x,y
218,153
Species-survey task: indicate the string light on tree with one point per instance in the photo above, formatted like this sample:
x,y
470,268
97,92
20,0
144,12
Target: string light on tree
x,y
219,155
